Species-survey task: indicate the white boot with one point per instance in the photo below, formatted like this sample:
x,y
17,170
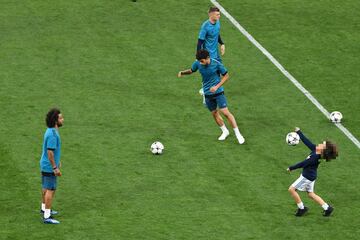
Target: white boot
x,y
241,139
224,135
238,135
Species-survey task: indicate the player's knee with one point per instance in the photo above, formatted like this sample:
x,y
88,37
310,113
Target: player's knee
x,y
225,110
227,114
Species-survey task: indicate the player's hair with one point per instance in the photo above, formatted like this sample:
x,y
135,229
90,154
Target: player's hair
x,y
52,117
330,151
214,9
202,54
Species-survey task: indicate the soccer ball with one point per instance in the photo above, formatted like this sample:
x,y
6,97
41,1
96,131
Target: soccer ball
x,y
292,138
336,117
157,148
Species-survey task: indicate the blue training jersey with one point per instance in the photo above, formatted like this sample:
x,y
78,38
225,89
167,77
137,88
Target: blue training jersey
x,y
210,34
52,141
210,75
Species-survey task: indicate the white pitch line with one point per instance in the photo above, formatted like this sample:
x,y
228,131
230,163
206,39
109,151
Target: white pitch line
x,y
285,72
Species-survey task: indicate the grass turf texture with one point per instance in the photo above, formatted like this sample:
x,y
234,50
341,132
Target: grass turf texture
x,y
111,67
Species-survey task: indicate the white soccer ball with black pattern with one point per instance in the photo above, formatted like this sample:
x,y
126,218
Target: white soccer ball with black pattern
x,y
336,117
292,138
157,148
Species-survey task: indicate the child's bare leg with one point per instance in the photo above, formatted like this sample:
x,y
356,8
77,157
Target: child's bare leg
x,y
295,195
316,198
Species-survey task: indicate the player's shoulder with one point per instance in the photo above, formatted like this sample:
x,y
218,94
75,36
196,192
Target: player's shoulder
x,y
196,62
51,132
195,65
205,24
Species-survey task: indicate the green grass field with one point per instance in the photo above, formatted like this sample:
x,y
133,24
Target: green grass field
x,y
111,67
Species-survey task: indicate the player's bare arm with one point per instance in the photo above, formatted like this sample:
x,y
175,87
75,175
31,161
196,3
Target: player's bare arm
x,y
53,164
222,49
217,86
185,72
222,45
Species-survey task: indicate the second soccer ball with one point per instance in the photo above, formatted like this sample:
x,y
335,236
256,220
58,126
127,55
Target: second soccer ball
x,y
157,148
336,117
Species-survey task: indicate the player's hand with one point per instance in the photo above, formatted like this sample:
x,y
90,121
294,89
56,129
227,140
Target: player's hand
x,y
297,129
179,74
213,89
288,170
222,49
57,172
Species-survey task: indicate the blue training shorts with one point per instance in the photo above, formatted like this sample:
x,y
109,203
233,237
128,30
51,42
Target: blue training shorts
x,y
217,100
49,182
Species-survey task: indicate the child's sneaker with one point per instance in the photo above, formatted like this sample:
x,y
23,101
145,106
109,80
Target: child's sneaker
x,y
328,212
301,212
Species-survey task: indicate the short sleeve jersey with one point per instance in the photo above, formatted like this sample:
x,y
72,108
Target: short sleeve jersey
x,y
52,142
210,74
210,34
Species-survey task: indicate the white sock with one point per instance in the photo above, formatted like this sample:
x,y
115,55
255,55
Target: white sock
x,y
43,206
238,135
325,206
47,213
300,205
223,128
237,132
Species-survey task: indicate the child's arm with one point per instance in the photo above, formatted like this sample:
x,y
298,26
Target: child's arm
x,y
306,162
297,165
305,140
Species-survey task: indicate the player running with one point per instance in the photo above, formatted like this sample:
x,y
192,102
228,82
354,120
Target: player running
x,y
210,70
326,150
